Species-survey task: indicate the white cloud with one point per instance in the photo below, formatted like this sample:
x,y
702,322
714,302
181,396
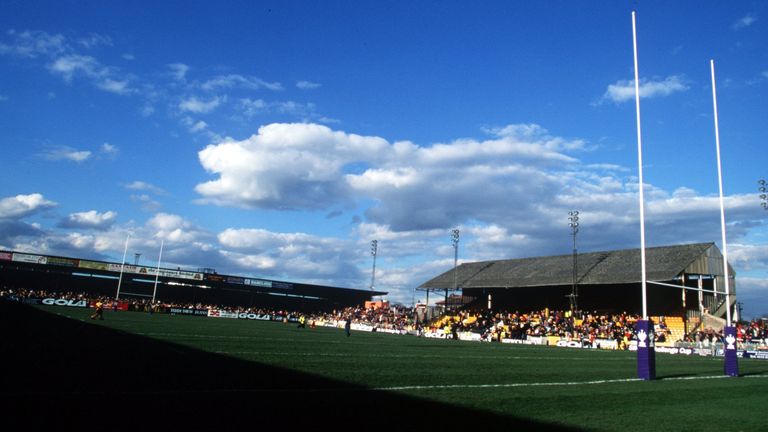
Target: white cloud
x,y
198,126
114,86
144,186
90,219
306,166
66,153
20,206
105,78
748,257
240,81
147,203
624,90
198,106
744,22
70,65
33,44
284,166
95,40
307,85
109,149
255,107
174,229
307,257
179,70
147,110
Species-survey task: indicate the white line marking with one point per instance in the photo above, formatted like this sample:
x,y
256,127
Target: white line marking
x,y
573,383
415,356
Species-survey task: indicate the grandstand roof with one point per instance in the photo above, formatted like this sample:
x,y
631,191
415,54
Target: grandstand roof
x,y
46,272
663,263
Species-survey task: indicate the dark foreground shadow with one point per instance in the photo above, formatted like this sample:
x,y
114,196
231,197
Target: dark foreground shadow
x,y
62,374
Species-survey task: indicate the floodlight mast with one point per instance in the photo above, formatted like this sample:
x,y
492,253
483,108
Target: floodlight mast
x,y
374,252
455,243
574,224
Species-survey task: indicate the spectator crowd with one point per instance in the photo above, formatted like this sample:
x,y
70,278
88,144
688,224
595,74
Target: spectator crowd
x,y
489,325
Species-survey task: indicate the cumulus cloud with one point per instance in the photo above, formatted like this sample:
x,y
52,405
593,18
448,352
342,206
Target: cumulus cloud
x,y
310,166
21,206
90,219
174,229
306,166
624,90
286,166
311,258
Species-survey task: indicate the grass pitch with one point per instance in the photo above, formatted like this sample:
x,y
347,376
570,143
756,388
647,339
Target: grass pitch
x,y
203,372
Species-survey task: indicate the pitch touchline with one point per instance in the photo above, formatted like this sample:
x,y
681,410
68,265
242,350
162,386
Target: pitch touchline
x,y
356,355
572,383
382,389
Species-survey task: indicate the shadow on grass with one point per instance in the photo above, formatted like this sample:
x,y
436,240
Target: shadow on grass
x,y
61,373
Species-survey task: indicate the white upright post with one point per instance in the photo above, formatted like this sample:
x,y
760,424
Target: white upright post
x,y
640,171
729,332
122,267
722,203
646,352
157,271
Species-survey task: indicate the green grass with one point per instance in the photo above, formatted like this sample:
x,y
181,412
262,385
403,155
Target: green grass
x,y
580,389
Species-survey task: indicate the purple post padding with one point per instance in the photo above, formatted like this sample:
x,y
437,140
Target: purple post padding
x,y
646,352
731,360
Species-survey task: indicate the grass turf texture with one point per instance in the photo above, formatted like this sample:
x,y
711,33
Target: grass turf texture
x,y
198,371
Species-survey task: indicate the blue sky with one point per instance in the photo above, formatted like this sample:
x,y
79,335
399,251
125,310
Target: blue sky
x,y
277,139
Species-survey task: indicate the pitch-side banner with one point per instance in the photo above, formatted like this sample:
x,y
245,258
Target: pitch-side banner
x,y
29,258
65,302
152,271
218,313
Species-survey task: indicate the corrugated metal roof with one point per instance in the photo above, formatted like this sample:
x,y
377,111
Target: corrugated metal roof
x,y
596,268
